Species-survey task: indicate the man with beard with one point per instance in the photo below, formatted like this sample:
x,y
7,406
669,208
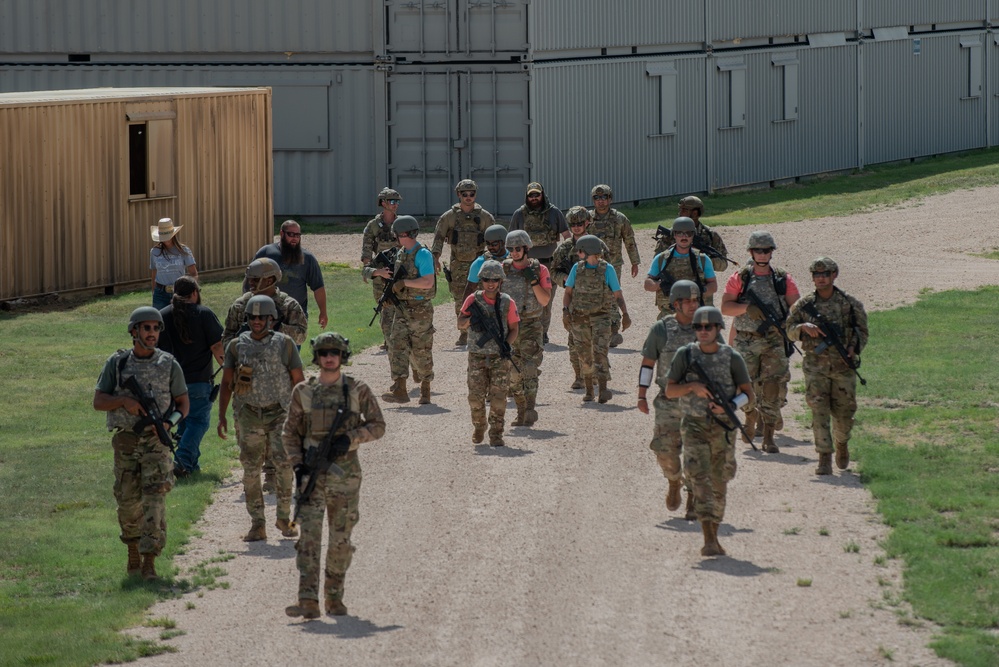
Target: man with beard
x,y
546,226
300,270
614,229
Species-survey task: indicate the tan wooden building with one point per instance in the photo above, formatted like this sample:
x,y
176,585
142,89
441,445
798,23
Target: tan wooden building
x,y
85,173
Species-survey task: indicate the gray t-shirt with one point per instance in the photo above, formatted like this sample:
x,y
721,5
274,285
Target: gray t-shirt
x,y
557,220
296,279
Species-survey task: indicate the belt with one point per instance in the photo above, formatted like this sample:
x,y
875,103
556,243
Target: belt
x,y
165,288
273,407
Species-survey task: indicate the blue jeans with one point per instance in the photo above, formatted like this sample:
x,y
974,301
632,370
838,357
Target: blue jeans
x,y
161,298
193,428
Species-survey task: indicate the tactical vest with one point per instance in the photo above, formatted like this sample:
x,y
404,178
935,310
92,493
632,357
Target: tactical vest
x,y
677,335
320,404
589,295
383,238
702,238
153,375
677,269
498,313
771,289
520,290
838,309
538,226
283,302
271,382
607,229
718,367
407,260
467,236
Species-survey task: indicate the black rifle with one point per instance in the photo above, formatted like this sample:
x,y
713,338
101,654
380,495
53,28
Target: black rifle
x,y
832,337
388,294
719,399
771,320
385,259
482,322
214,393
154,416
447,272
319,459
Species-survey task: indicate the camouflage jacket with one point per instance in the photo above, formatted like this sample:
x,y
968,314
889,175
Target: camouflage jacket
x,y
614,228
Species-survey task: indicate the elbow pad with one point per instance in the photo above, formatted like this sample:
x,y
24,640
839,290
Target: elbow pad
x,y
645,376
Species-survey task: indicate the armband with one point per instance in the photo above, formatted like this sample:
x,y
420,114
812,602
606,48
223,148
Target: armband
x,y
740,399
645,376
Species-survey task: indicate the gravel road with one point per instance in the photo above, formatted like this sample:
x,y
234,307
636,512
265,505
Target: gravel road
x,y
558,549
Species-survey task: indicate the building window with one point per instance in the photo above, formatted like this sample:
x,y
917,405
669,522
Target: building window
x,y
666,74
788,63
151,159
974,46
736,69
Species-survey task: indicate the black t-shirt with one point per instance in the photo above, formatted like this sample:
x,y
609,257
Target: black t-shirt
x,y
194,358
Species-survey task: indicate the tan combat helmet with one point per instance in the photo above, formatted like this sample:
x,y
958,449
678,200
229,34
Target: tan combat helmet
x,y
330,340
492,270
465,185
709,315
518,238
602,189
823,264
761,241
388,193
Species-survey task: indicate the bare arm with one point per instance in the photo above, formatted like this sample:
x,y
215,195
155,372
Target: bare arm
x,y
320,295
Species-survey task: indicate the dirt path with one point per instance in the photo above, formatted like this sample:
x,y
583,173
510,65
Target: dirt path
x,y
558,549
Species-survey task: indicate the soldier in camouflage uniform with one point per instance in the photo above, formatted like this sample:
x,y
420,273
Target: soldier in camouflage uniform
x,y
530,286
665,337
313,409
377,237
563,260
613,228
495,249
260,368
488,359
704,236
546,226
143,465
463,227
680,262
764,353
412,337
586,313
830,383
708,437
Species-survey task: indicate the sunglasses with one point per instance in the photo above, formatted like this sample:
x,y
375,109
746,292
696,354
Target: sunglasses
x,y
467,194
762,251
577,224
257,317
149,328
704,327
534,195
392,201
683,235
292,234
519,248
328,353
822,274
600,197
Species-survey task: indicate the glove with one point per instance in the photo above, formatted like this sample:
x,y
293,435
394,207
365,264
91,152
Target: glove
x,y
340,446
532,274
625,321
754,312
398,286
506,350
566,319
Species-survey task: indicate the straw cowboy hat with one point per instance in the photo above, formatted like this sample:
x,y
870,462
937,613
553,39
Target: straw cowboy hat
x,y
165,230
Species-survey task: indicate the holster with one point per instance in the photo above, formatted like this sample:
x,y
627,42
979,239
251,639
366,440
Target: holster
x,y
243,382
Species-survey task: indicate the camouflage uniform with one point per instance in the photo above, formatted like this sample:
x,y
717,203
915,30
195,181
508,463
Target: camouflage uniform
x,y
488,372
464,232
411,339
528,348
708,447
291,321
591,319
310,415
378,236
563,260
830,385
143,466
678,269
704,236
544,225
260,414
614,228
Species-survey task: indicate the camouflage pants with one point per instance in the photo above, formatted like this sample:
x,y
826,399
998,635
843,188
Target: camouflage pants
x,y
488,375
770,372
412,340
667,443
143,474
388,310
260,431
592,334
459,280
546,314
709,461
613,308
832,395
338,499
528,351
574,355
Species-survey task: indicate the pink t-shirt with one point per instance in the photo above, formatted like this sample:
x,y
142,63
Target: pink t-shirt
x,y
512,317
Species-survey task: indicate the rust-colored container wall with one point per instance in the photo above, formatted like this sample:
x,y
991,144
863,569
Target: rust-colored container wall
x,y
77,200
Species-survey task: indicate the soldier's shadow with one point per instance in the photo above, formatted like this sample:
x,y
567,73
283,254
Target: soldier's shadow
x,y
535,433
347,627
501,452
846,478
789,459
555,347
606,407
429,409
733,567
679,525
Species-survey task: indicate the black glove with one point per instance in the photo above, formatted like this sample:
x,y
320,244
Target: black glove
x,y
301,470
532,274
340,446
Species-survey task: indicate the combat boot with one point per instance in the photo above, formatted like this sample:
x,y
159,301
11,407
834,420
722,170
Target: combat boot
x,y
287,528
478,433
531,415
690,515
588,385
521,410
462,339
335,607
711,546
714,534
673,495
750,429
257,533
307,609
398,393
496,439
616,338
605,393
416,375
825,464
577,383
148,567
134,560
842,455
425,392
769,446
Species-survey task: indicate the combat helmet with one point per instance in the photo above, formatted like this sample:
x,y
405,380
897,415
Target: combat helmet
x,y
465,185
388,193
330,340
823,264
589,244
692,202
492,270
144,314
684,289
578,214
264,267
761,241
258,305
709,315
602,189
406,224
495,233
683,224
518,238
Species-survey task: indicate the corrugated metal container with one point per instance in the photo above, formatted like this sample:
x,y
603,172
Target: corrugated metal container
x,y
798,114
926,13
729,20
148,31
96,168
593,28
455,29
446,123
919,96
636,124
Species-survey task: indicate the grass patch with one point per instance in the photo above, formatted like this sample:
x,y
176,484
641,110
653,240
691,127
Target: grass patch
x,y
804,583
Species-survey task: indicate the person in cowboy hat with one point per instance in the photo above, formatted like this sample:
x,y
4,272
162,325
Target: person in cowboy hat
x,y
169,259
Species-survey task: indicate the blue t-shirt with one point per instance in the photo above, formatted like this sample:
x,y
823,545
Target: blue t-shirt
x,y
473,270
610,277
424,260
656,268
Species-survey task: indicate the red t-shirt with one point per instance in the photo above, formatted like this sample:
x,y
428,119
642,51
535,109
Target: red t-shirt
x,y
512,317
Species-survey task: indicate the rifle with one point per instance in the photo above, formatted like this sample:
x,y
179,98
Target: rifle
x,y
319,459
153,416
388,294
447,272
719,399
482,322
832,337
385,259
772,321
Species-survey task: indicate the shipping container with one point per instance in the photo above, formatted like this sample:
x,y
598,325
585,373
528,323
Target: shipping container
x,y
744,22
923,15
449,30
